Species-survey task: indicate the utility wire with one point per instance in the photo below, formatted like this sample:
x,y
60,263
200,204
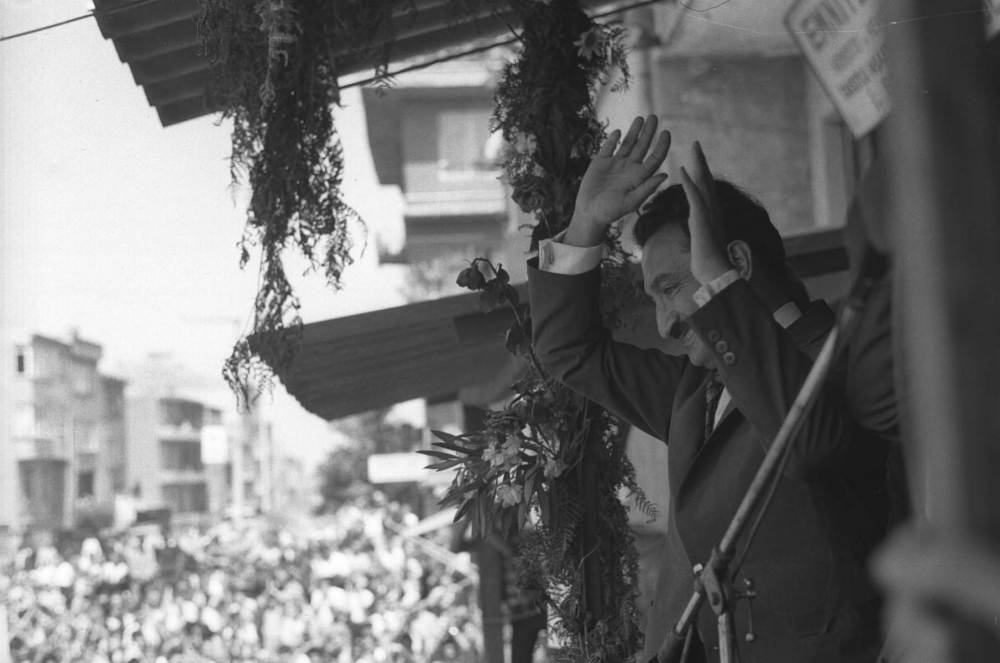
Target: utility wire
x,y
91,14
479,49
45,27
365,81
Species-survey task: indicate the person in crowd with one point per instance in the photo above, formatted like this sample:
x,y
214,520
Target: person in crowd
x,y
332,596
715,267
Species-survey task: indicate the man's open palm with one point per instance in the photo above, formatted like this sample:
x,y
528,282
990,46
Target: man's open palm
x,y
618,181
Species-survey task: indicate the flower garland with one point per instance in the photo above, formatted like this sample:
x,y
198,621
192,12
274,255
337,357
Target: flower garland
x,y
275,77
525,472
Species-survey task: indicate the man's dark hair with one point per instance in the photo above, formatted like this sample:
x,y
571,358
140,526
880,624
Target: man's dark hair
x,y
743,218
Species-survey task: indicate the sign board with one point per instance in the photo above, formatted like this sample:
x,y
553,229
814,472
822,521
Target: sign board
x,y
214,445
992,18
405,467
843,41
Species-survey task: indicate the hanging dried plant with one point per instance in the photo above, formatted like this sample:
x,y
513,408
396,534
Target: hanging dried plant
x,y
275,77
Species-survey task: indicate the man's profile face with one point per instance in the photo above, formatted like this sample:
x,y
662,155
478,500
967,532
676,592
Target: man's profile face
x,y
666,274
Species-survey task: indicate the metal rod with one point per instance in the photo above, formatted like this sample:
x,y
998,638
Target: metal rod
x,y
793,423
767,472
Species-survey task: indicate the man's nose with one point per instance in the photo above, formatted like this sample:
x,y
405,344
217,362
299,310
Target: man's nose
x,y
665,321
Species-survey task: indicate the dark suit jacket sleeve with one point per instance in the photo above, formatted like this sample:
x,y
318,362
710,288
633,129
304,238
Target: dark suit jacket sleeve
x,y
763,370
573,345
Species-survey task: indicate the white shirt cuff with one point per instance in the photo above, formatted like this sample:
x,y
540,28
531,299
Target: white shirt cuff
x,y
705,293
559,258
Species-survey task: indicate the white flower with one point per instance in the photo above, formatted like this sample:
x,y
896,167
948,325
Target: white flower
x,y
511,447
494,455
590,43
525,143
510,495
554,467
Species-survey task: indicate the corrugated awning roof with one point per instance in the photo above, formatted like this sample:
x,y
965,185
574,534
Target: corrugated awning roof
x,y
158,40
425,350
435,349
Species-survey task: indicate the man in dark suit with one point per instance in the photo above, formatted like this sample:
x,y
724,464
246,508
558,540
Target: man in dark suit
x,y
715,268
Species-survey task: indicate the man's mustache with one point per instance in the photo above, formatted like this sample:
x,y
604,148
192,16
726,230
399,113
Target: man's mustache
x,y
679,329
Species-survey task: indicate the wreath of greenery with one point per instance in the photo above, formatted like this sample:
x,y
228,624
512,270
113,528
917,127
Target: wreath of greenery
x,y
276,78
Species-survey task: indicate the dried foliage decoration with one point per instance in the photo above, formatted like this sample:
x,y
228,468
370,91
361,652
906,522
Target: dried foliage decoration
x,y
275,77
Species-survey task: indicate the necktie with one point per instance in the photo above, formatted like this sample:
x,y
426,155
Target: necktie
x,y
712,394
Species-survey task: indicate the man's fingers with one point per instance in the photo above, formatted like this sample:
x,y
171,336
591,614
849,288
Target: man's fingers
x,y
704,175
629,141
645,138
699,166
644,191
608,149
659,153
695,200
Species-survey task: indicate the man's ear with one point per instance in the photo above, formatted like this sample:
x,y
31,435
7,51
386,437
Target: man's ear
x,y
740,258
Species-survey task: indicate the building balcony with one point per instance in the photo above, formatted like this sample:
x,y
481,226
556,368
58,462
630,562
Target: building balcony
x,y
187,476
30,448
178,433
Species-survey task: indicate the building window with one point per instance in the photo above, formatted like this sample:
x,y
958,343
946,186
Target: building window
x,y
213,417
181,414
22,360
84,376
462,140
180,456
85,484
27,485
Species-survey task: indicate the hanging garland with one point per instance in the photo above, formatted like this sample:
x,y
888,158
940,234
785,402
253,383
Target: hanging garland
x,y
524,472
275,78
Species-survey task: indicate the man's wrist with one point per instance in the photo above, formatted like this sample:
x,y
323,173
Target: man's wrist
x,y
584,233
710,289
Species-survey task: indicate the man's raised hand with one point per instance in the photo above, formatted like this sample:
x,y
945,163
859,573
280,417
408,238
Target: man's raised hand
x,y
618,181
709,259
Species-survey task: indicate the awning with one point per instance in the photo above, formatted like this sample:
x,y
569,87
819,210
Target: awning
x,y
438,348
429,350
158,40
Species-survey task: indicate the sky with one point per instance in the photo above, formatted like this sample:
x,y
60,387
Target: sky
x,y
127,231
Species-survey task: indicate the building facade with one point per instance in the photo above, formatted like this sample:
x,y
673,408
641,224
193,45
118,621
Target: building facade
x,y
431,137
189,449
166,466
67,430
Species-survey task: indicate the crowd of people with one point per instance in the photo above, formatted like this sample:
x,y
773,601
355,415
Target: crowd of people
x,y
352,587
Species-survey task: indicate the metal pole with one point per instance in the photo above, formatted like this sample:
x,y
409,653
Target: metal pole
x,y
945,181
944,175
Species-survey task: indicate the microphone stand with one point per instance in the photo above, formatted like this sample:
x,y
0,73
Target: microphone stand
x,y
713,580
